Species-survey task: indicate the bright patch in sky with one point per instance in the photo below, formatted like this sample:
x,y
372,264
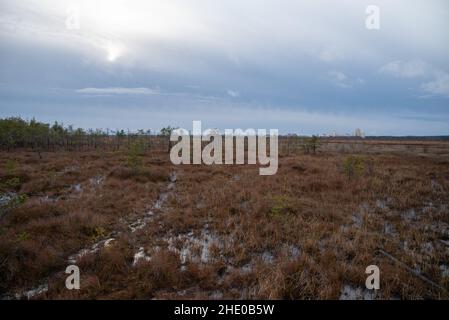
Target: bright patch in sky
x,y
114,51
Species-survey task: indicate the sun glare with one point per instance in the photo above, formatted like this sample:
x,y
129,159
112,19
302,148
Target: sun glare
x,y
146,19
113,52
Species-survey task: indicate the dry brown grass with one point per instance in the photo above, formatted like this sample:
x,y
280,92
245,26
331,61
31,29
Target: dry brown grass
x,y
72,201
307,232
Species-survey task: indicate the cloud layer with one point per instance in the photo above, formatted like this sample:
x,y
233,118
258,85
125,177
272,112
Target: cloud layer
x,y
296,58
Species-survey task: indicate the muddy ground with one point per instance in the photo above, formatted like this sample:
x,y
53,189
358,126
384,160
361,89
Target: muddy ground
x,y
158,231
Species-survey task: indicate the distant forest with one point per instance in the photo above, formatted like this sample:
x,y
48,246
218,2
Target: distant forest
x,y
16,132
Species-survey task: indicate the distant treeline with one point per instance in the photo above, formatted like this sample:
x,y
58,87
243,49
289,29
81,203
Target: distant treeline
x,y
16,133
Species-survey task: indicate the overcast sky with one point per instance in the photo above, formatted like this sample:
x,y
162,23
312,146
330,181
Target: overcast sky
x,y
299,66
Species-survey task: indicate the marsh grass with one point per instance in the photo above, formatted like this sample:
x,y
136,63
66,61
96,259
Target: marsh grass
x,y
307,232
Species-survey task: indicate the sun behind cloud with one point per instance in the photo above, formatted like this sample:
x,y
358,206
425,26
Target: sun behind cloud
x,y
114,51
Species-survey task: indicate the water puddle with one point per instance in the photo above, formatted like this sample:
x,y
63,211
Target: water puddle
x,y
444,270
435,186
390,230
409,215
140,255
5,198
93,249
292,251
267,257
76,188
192,248
349,292
28,294
381,204
97,180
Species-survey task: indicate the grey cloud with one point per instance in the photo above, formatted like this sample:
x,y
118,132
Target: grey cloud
x,y
438,86
439,79
406,69
233,93
283,53
341,80
102,91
